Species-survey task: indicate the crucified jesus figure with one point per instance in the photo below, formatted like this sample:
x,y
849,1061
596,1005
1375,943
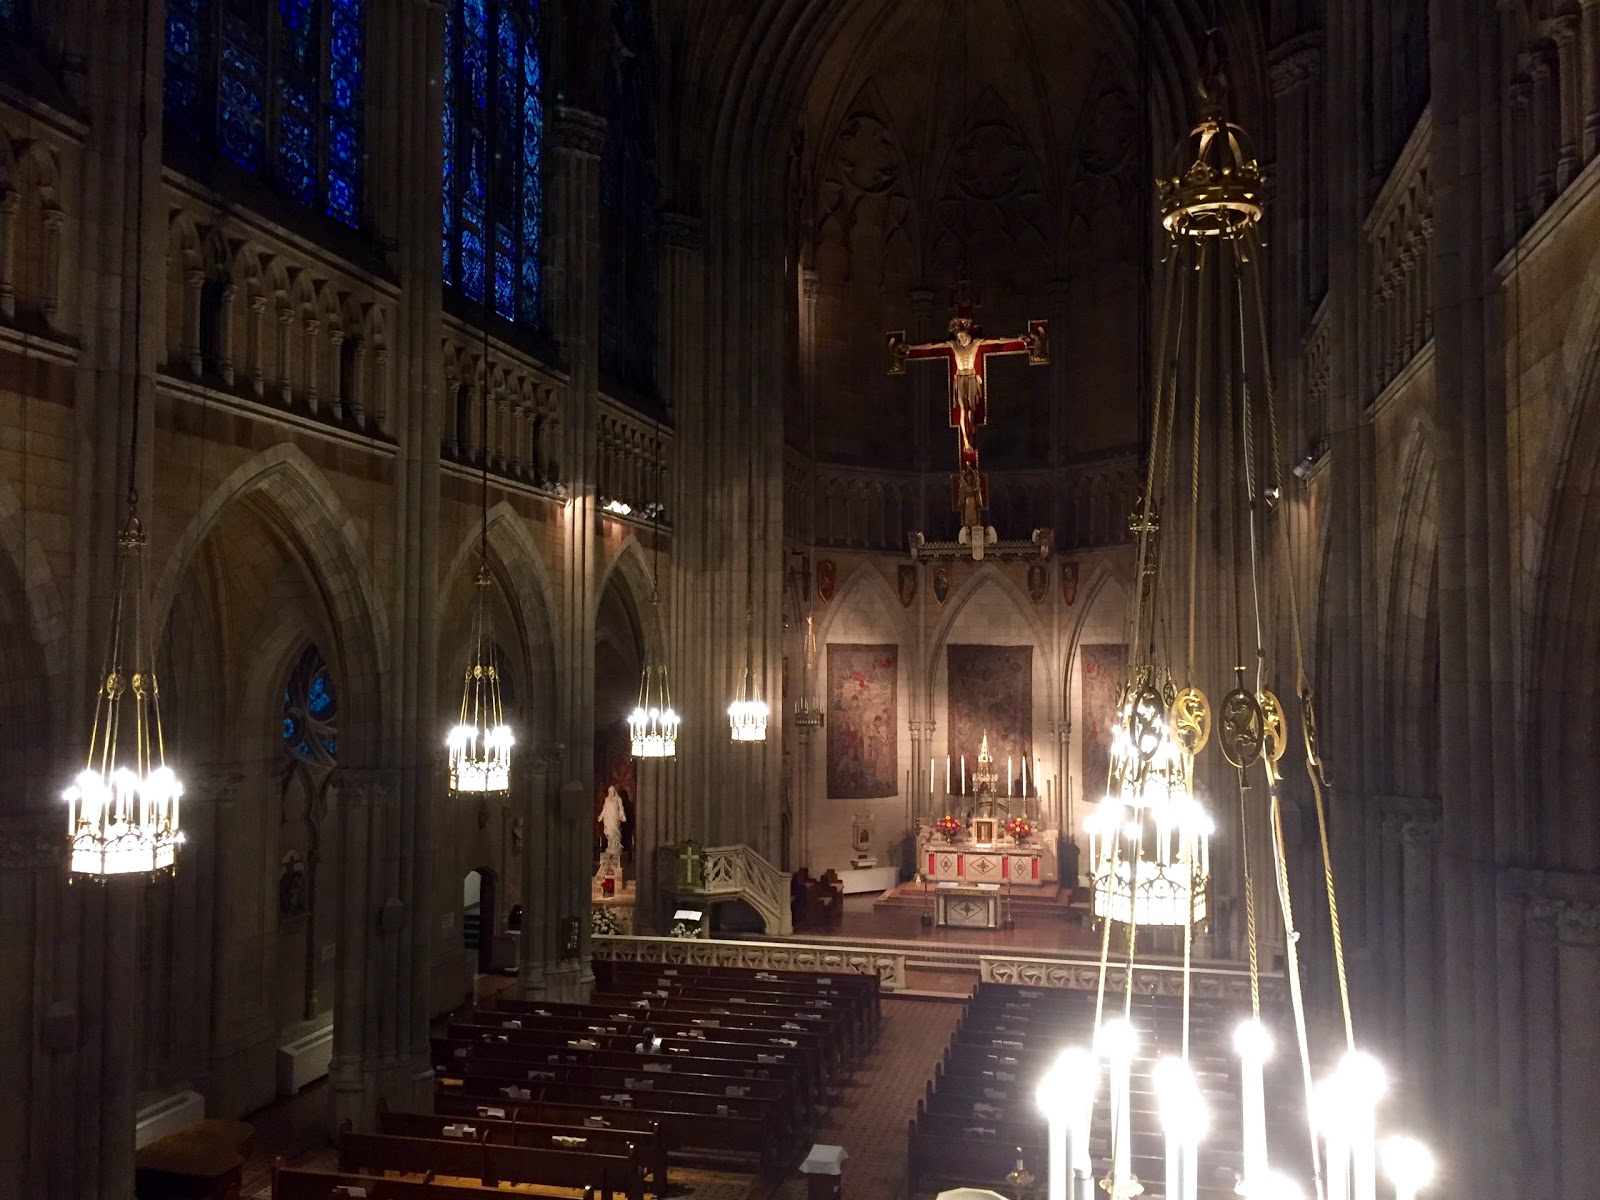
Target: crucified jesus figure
x,y
965,353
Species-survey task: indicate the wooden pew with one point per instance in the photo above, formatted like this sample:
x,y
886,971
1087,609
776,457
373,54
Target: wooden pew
x,y
608,1174
775,1103
862,992
754,1050
451,1055
774,997
298,1183
645,1141
733,1129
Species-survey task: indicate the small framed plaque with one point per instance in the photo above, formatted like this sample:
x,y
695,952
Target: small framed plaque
x,y
983,830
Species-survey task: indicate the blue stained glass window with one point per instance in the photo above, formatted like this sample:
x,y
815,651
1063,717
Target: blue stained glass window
x,y
12,15
494,43
276,86
311,711
185,66
346,48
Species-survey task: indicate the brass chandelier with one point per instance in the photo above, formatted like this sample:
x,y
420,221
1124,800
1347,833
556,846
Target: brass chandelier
x,y
480,742
653,723
122,808
1149,852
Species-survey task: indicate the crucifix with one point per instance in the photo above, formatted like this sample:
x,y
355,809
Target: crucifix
x,y
965,354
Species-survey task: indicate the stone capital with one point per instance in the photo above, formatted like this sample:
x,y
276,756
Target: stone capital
x,y
577,130
682,231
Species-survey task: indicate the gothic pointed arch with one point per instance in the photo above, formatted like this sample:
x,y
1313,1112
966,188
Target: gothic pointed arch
x,y
283,488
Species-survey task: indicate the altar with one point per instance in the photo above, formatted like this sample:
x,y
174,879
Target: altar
x,y
967,906
979,859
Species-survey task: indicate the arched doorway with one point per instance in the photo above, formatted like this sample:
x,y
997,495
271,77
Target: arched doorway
x,y
480,916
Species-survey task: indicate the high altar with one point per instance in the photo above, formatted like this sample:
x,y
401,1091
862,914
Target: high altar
x,y
982,851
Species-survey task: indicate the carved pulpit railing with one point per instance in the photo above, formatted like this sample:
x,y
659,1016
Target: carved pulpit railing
x,y
728,873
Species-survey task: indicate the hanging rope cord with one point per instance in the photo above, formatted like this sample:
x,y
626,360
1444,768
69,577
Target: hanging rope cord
x,y
1314,766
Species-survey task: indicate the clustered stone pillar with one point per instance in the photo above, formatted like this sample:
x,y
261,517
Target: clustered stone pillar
x,y
577,138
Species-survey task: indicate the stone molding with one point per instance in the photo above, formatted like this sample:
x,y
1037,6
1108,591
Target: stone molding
x,y
578,130
1206,983
888,965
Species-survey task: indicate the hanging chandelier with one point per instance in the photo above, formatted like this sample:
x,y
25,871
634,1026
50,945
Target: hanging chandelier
x,y
1149,847
747,715
480,742
653,723
122,808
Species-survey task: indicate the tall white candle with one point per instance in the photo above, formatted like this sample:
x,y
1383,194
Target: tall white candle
x,y
1251,1043
946,774
963,774
930,776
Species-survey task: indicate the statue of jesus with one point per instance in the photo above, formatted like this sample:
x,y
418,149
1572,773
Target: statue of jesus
x,y
611,818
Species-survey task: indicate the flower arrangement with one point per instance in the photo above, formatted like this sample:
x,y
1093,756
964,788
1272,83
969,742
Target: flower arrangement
x,y
603,922
949,826
1020,828
683,929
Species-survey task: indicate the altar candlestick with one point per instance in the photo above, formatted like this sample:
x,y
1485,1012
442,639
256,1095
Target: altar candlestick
x,y
1024,774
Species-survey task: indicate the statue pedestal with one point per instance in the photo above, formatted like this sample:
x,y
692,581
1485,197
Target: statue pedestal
x,y
610,868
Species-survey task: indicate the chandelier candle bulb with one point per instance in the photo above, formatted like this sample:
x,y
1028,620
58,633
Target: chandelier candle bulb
x,y
1064,1096
1118,1041
1253,1045
1409,1166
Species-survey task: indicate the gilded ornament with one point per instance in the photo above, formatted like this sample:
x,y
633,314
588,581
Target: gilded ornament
x,y
1274,729
1241,728
1191,720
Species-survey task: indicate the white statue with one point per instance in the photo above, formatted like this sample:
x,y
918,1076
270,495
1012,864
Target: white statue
x,y
611,818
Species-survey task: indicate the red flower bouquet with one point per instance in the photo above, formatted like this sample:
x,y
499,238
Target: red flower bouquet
x,y
1020,828
949,826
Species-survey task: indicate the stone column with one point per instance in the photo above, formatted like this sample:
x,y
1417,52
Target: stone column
x,y
313,352
229,295
680,812
10,206
337,383
361,797
1419,841
1544,132
1563,32
54,221
194,281
1589,59
1578,964
285,387
258,349
577,137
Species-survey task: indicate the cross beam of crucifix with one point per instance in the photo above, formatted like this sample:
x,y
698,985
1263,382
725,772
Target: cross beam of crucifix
x,y
965,354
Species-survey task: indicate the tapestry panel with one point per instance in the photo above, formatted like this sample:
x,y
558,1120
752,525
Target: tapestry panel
x,y
990,689
863,737
1104,668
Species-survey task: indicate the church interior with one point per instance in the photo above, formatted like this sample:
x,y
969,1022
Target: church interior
x,y
776,598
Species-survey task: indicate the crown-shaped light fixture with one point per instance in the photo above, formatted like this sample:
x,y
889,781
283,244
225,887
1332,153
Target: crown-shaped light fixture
x,y
480,742
653,723
122,808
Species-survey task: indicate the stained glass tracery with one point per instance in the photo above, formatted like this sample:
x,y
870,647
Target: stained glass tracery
x,y
494,105
275,87
311,711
